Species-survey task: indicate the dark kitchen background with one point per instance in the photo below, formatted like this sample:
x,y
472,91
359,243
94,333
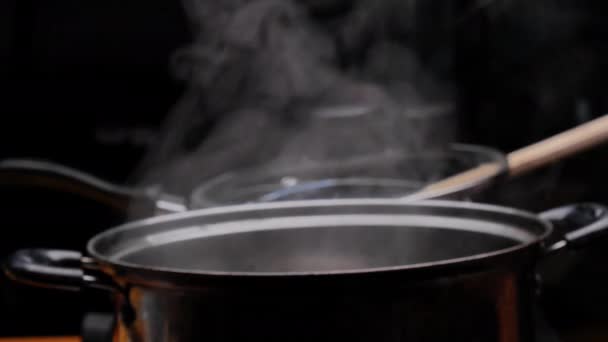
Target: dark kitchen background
x,y
89,85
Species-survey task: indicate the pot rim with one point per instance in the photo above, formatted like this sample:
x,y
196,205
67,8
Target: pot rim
x,y
200,197
160,274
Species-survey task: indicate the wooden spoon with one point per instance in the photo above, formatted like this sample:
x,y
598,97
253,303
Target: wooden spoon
x,y
528,158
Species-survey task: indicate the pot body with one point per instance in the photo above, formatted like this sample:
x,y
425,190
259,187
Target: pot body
x,y
165,294
483,306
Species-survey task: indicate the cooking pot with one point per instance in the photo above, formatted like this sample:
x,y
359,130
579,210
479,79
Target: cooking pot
x,y
392,174
321,270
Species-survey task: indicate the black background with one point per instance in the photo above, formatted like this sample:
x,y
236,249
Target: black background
x,y
81,81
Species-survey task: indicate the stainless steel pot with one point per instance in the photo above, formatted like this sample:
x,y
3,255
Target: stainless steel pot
x,y
325,270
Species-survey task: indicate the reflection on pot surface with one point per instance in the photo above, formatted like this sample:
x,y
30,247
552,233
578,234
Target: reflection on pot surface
x,y
362,270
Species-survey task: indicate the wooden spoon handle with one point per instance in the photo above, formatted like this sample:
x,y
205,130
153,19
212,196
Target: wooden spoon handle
x,y
533,156
558,146
469,177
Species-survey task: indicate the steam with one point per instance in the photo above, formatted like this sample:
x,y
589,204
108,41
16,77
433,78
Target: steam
x,y
285,82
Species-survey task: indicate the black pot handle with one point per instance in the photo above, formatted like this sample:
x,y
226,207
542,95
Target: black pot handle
x,y
59,269
61,178
586,222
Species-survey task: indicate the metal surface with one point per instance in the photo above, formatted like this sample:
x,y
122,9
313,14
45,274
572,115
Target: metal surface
x,y
321,236
476,285
52,268
484,307
592,217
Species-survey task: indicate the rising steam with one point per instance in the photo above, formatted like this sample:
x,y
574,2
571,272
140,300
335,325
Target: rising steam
x,y
288,82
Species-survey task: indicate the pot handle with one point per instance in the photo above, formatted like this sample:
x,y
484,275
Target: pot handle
x,y
589,219
50,268
65,179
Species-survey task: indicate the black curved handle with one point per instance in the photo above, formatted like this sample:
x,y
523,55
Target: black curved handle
x,y
46,268
65,179
586,222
